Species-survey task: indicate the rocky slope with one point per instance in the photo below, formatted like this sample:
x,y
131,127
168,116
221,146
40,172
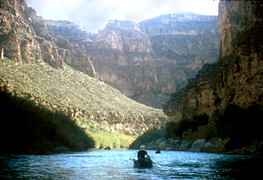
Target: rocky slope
x,y
237,77
85,99
38,66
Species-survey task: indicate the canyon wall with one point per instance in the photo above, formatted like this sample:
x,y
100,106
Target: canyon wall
x,y
26,42
146,61
154,58
237,77
24,36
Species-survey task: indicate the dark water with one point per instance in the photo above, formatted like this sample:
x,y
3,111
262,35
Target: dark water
x,y
116,164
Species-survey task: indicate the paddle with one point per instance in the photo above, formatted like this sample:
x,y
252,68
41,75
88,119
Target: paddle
x,y
157,165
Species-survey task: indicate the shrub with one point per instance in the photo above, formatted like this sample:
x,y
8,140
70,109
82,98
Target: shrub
x,y
170,128
183,125
242,126
199,120
147,137
116,140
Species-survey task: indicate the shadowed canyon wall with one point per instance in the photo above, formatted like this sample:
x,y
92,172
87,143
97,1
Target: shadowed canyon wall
x,y
237,77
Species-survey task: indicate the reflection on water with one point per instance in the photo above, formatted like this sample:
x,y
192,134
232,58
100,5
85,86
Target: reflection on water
x,y
116,164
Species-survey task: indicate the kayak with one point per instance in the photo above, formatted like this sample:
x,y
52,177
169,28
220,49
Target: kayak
x,y
141,163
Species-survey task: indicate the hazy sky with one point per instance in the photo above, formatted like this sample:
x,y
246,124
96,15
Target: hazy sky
x,y
94,14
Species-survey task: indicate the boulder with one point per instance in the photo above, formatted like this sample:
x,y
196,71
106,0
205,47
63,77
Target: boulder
x,y
198,145
208,147
185,146
162,145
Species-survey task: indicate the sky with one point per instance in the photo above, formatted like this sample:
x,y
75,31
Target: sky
x,y
95,14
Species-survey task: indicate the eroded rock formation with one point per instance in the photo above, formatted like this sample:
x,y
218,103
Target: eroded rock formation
x,y
237,77
146,61
25,36
150,60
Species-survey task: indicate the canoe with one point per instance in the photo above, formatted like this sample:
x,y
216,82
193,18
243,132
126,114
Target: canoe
x,y
141,163
158,151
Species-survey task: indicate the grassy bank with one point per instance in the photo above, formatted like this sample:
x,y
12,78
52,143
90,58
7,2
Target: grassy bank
x,y
105,138
114,139
26,128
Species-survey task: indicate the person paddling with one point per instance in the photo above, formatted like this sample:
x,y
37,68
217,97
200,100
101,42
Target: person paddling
x,y
142,153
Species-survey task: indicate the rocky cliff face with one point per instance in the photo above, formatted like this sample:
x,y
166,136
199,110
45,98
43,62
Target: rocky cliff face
x,y
25,36
146,61
150,60
237,77
26,39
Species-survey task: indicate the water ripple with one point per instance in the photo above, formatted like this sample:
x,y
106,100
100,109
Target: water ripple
x,y
115,164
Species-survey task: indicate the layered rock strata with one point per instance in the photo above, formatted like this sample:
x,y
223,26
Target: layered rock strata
x,y
24,36
237,77
146,61
150,60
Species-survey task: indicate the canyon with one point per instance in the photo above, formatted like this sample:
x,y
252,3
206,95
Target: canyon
x,y
237,76
57,74
185,63
146,61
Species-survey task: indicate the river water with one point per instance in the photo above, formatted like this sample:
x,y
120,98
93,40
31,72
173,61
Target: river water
x,y
116,164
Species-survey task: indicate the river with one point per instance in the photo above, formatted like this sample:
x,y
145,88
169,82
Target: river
x,y
116,164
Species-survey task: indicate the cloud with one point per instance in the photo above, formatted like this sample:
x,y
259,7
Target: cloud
x,y
94,14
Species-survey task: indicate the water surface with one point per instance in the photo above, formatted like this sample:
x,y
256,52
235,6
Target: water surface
x,y
116,164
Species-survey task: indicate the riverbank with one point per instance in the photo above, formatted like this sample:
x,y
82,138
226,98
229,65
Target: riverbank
x,y
196,141
200,145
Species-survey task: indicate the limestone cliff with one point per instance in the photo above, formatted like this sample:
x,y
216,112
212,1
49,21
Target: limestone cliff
x,y
146,61
150,60
25,36
237,77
